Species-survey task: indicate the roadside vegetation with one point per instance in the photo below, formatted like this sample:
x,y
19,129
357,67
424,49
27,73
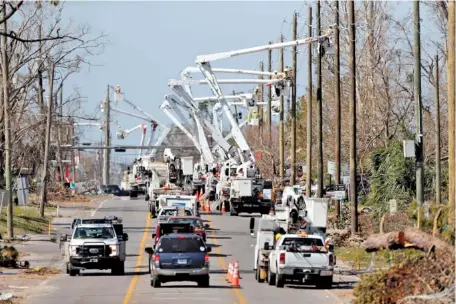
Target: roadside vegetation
x,y
26,220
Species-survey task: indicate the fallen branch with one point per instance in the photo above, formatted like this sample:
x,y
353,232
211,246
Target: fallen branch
x,y
411,238
439,295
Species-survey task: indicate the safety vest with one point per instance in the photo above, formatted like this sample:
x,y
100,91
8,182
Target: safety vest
x,y
277,237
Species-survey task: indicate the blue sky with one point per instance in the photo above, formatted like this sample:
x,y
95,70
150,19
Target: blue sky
x,y
151,42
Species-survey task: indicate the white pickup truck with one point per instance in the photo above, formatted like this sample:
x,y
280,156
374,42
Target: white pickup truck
x,y
302,258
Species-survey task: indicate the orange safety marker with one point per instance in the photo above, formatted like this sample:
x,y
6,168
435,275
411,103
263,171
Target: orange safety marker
x,y
208,209
223,207
235,279
271,211
228,273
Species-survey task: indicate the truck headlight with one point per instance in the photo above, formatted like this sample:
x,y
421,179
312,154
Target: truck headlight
x,y
114,250
73,250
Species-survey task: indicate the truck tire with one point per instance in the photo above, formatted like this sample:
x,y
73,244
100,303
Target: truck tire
x,y
72,272
204,281
271,277
280,281
118,268
147,197
324,282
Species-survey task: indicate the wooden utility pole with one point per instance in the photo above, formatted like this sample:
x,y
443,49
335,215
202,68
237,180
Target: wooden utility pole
x,y
418,106
59,134
293,105
281,126
309,108
107,135
437,131
45,174
260,99
7,124
451,113
337,100
352,68
320,176
270,96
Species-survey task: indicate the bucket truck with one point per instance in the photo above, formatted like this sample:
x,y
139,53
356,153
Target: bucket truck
x,y
243,193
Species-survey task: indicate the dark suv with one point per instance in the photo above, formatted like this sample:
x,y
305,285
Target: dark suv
x,y
179,257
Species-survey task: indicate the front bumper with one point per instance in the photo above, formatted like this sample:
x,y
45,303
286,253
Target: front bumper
x,y
182,273
94,262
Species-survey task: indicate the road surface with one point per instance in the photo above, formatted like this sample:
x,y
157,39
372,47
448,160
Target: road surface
x,y
230,240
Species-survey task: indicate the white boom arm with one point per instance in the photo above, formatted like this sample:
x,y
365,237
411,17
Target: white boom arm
x,y
324,40
143,137
186,73
121,134
165,132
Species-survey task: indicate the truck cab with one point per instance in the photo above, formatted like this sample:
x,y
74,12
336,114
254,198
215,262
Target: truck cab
x,y
96,246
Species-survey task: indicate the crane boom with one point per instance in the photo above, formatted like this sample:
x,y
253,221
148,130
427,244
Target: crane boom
x,y
191,70
323,39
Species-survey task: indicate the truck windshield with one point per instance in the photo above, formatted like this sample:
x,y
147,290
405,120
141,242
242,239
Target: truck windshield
x,y
168,245
194,222
96,232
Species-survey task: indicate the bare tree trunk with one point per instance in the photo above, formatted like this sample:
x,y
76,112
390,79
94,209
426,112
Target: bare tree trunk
x,y
59,136
45,174
7,122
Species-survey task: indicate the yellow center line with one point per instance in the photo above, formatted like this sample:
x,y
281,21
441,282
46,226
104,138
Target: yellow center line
x,y
134,280
222,262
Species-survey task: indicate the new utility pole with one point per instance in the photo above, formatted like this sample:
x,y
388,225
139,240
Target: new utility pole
x,y
352,101
260,99
418,106
319,113
107,135
437,131
45,176
270,96
451,113
7,124
309,108
281,126
337,100
293,105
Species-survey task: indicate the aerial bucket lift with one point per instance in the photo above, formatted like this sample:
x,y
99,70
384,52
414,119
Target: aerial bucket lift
x,y
122,134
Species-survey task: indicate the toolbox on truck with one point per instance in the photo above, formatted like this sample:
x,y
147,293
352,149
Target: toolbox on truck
x,y
242,187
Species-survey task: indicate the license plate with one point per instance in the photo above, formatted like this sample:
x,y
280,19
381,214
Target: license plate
x,y
181,261
94,260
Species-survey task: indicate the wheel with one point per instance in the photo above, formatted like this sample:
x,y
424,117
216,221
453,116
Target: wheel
x,y
204,281
280,281
233,212
324,282
67,268
155,282
301,204
118,269
271,277
258,275
147,198
72,272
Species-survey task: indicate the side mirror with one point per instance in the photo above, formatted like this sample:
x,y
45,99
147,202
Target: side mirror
x,y
331,247
125,237
266,246
154,235
206,226
252,223
149,250
208,249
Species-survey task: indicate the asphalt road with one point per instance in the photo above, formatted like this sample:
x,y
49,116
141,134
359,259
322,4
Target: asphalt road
x,y
230,240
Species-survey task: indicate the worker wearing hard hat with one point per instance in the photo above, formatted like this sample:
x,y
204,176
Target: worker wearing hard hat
x,y
279,234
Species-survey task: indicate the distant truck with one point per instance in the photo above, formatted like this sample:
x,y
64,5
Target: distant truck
x,y
249,195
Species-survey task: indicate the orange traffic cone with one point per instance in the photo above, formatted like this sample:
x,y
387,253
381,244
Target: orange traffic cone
x,y
223,207
203,206
228,273
208,209
271,211
235,279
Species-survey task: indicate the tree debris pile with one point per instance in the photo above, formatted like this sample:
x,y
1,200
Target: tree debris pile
x,y
43,271
62,195
416,279
9,256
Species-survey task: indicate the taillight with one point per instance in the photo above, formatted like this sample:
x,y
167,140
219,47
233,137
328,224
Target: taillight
x,y
331,260
156,259
282,258
206,258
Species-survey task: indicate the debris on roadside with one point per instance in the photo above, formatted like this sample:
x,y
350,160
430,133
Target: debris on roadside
x,y
43,271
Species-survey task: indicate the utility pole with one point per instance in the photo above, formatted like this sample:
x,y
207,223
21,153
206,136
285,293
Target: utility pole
x,y
281,126
451,114
418,106
45,174
437,131
270,96
260,99
73,142
352,100
7,124
293,105
309,108
337,100
107,152
319,113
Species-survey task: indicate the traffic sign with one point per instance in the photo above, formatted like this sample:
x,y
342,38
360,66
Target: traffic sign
x,y
72,185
